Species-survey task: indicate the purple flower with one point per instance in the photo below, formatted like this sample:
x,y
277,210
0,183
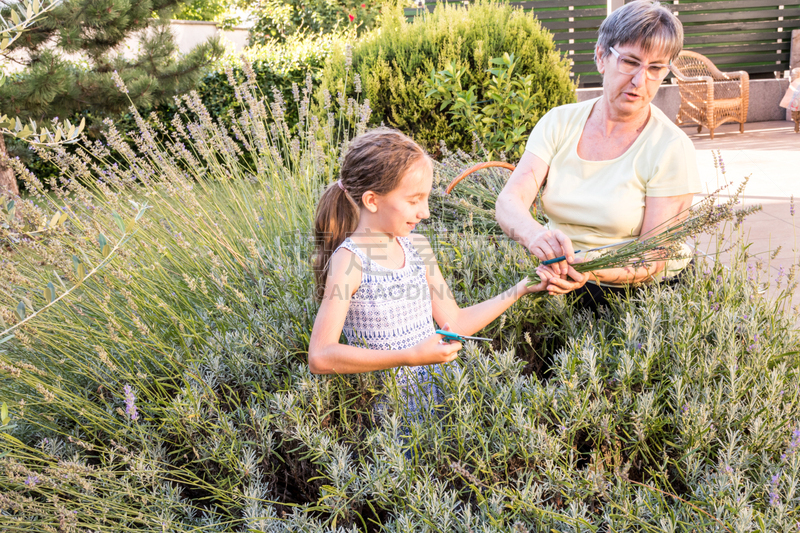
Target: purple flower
x,y
32,480
774,499
130,403
795,442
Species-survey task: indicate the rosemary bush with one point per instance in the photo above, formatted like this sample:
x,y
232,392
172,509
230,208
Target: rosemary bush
x,y
170,390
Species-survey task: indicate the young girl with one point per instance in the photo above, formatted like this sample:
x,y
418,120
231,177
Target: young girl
x,y
379,282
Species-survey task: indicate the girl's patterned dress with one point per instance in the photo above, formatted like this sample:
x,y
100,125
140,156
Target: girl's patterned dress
x,y
391,310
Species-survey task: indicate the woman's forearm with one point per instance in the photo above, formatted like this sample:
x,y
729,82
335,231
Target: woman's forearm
x,y
515,219
627,275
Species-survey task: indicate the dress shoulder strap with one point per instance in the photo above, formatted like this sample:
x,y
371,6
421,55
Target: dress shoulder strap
x,y
348,244
412,254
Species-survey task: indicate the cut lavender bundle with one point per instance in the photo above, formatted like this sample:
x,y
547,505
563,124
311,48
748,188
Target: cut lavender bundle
x,y
665,242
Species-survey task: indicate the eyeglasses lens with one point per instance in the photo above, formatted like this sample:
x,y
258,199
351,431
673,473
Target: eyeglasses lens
x,y
630,66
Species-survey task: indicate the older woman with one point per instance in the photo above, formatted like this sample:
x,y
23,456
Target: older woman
x,y
616,166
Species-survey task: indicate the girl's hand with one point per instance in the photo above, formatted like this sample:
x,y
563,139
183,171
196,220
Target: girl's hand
x,y
433,350
544,275
572,280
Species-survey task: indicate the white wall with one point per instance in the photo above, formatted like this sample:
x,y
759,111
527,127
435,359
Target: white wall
x,y
190,33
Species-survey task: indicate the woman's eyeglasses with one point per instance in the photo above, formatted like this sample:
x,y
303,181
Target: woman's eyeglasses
x,y
630,66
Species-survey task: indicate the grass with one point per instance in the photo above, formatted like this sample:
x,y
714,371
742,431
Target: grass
x,y
675,410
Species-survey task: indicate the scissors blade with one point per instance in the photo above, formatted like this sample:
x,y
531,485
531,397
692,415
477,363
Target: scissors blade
x,y
564,257
474,338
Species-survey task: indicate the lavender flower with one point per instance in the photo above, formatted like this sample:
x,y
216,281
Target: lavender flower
x,y
118,82
348,56
791,205
130,403
32,480
774,498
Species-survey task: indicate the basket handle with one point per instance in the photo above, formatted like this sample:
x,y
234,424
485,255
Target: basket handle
x,y
479,166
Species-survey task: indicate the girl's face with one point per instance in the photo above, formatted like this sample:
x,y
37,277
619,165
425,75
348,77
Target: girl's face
x,y
400,210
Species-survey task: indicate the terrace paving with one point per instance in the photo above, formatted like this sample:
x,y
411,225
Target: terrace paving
x,y
769,153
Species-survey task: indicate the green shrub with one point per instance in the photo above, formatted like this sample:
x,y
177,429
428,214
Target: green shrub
x,y
283,19
396,59
289,67
504,120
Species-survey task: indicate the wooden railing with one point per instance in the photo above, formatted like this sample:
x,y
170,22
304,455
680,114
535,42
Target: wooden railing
x,y
750,35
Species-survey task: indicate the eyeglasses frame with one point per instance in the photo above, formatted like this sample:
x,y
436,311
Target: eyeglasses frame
x,y
618,56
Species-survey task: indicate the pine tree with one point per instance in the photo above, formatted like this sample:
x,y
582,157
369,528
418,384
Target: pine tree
x,y
53,84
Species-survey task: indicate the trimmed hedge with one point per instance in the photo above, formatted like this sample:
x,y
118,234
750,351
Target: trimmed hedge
x,y
395,60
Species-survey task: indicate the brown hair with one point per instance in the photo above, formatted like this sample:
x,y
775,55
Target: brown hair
x,y
375,161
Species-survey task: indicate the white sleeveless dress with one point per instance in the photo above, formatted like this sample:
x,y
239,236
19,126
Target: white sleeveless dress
x,y
391,310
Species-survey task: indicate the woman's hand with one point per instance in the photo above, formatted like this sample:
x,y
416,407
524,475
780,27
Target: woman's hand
x,y
549,244
433,350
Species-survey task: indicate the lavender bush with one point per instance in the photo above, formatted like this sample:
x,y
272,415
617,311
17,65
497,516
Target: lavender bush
x,y
170,392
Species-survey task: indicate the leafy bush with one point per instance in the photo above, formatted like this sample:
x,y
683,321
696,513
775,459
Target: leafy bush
x,y
283,19
504,120
394,62
287,67
171,392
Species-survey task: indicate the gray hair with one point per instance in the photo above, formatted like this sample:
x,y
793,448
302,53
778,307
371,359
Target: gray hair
x,y
645,23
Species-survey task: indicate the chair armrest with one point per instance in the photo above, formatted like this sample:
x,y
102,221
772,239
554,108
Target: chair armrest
x,y
681,78
735,75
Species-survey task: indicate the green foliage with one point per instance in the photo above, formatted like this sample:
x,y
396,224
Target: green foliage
x,y
502,121
170,391
395,62
282,19
53,86
209,10
283,66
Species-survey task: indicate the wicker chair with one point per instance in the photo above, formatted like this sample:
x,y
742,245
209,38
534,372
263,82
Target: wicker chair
x,y
710,97
796,114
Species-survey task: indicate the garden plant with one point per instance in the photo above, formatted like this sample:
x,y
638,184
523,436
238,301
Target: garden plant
x,y
394,63
169,391
156,302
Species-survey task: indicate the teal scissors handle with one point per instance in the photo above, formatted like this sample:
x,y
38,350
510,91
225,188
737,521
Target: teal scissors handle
x,y
557,259
450,336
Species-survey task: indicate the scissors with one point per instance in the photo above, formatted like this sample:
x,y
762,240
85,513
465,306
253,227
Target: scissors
x,y
450,336
563,257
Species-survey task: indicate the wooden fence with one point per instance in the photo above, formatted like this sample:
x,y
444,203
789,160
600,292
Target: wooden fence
x,y
750,35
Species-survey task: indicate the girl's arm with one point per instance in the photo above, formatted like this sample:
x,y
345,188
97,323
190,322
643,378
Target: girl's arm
x,y
327,356
471,319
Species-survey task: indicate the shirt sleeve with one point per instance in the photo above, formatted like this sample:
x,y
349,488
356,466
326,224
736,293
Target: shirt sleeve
x,y
545,138
674,171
